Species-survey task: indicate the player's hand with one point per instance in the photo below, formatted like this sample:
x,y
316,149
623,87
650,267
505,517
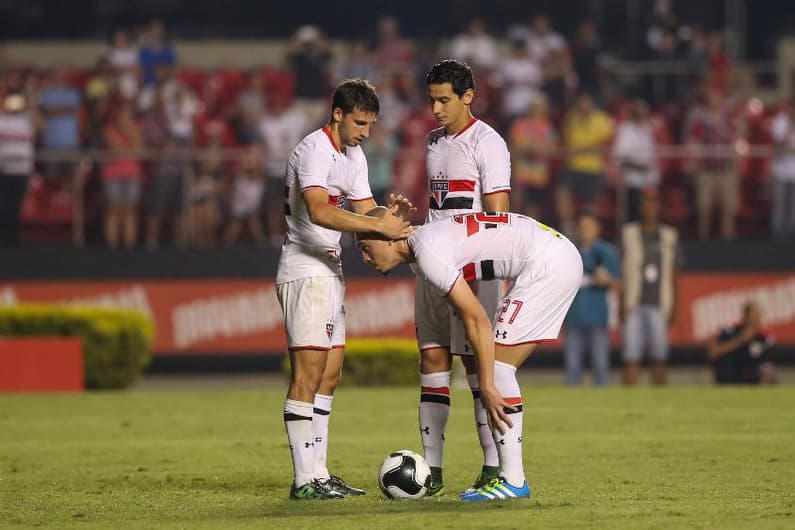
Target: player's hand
x,y
495,407
405,208
395,226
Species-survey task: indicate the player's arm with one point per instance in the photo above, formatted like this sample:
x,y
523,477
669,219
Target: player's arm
x,y
478,330
323,214
496,202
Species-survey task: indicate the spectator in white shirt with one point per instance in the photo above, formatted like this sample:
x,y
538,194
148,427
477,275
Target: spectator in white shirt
x,y
635,152
783,133
520,78
17,135
475,46
544,39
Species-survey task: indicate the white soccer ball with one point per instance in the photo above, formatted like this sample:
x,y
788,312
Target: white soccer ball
x,y
404,475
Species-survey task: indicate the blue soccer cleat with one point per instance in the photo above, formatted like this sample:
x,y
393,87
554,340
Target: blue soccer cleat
x,y
496,490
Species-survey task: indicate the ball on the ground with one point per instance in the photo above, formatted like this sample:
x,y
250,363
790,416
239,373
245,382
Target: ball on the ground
x,y
404,475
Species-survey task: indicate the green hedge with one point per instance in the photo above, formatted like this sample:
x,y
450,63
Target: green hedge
x,y
117,343
388,361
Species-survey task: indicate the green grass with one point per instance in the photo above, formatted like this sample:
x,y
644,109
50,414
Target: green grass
x,y
617,458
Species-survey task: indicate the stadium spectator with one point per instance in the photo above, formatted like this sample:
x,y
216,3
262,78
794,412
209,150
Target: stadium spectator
x,y
381,150
97,94
475,46
783,135
205,195
543,38
519,77
182,109
586,50
17,138
393,51
122,177
651,258
532,140
155,51
124,59
246,197
586,132
59,106
739,353
249,109
635,153
355,62
558,78
586,328
710,135
167,189
309,59
280,129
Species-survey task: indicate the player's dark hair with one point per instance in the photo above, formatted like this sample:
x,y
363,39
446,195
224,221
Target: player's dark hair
x,y
353,94
458,74
378,211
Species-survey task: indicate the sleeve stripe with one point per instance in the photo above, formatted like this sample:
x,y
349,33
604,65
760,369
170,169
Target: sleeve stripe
x,y
456,281
314,186
499,190
359,200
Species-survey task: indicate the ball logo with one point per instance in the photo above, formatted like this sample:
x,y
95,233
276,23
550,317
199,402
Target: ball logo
x,y
439,190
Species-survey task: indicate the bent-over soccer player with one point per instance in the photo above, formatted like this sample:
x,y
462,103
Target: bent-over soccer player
x,y
546,271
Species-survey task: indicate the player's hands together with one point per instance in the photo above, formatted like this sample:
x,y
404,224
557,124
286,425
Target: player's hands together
x,y
405,208
495,407
395,226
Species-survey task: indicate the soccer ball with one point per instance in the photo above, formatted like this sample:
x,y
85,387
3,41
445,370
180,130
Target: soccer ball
x,y
404,475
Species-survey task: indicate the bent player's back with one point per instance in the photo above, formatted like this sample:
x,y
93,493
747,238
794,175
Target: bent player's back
x,y
485,246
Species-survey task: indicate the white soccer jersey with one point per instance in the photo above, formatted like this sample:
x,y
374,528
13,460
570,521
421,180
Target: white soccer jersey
x,y
309,249
463,167
481,246
545,267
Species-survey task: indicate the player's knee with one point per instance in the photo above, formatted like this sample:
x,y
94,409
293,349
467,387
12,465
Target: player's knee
x,y
432,361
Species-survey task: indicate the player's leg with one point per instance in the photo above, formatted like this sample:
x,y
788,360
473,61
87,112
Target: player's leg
x,y
489,295
532,311
432,317
309,343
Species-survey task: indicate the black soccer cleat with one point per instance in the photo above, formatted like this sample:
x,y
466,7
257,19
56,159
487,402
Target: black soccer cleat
x,y
335,483
313,491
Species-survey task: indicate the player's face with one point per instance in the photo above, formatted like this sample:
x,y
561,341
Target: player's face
x,y
381,255
354,126
447,107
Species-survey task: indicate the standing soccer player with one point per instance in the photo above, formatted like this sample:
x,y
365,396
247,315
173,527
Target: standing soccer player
x,y
468,168
327,168
546,271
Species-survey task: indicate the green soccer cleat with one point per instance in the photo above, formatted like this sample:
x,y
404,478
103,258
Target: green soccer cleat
x,y
314,490
487,474
335,483
437,484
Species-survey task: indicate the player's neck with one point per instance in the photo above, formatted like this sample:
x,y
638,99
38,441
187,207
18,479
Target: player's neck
x,y
404,250
460,124
333,131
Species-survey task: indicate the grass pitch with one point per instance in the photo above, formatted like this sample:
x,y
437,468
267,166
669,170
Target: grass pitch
x,y
616,458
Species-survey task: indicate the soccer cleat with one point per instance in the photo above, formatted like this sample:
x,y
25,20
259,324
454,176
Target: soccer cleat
x,y
436,484
496,490
314,490
487,474
335,483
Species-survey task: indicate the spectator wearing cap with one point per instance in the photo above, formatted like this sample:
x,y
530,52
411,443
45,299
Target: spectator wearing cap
x,y
649,269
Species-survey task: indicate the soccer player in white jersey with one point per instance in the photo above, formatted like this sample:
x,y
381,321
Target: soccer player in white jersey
x,y
325,170
546,270
468,168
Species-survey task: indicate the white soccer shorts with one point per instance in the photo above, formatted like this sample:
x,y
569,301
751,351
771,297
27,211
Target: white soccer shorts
x,y
534,308
314,312
437,324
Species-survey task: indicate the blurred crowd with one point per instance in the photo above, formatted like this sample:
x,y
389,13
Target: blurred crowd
x,y
147,151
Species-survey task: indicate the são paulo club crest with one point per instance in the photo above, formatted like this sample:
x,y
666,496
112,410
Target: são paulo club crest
x,y
439,190
329,329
